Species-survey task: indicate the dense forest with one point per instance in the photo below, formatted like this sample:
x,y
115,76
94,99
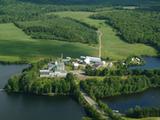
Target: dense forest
x,y
59,29
14,10
20,10
134,26
93,2
119,71
111,86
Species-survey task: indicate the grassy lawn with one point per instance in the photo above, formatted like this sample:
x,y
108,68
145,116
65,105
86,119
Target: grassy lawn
x,y
112,45
16,45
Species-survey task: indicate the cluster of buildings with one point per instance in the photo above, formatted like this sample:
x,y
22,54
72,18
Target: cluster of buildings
x,y
57,68
88,60
133,61
136,60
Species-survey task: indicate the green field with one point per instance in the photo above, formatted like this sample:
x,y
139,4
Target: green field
x,y
10,32
112,45
16,45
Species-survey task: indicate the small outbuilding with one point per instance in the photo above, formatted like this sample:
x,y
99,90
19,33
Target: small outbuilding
x,y
75,65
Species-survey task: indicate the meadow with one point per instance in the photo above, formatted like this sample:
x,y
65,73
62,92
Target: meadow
x,y
112,46
17,46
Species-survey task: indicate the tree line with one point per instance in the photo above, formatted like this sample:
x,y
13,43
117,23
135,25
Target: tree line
x,y
16,10
134,26
116,85
22,10
56,28
121,70
96,2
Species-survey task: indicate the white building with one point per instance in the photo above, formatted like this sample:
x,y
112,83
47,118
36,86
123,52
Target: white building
x,y
90,60
44,73
75,65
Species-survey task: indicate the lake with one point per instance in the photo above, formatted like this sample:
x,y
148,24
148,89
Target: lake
x,y
30,107
148,98
150,63
6,71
